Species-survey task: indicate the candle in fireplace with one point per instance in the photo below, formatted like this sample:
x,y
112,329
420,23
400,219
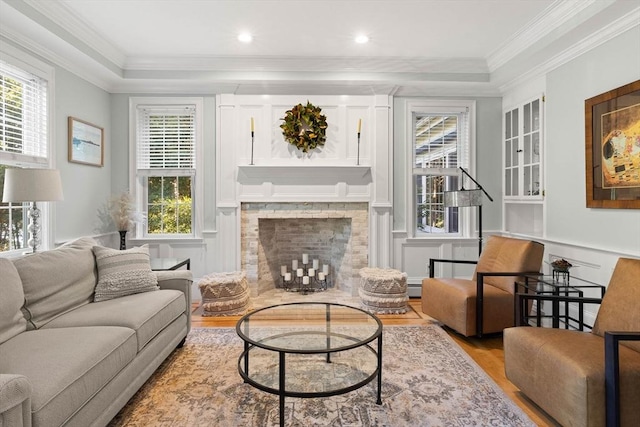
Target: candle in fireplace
x,y
287,277
312,272
316,264
294,264
283,270
325,269
299,272
305,259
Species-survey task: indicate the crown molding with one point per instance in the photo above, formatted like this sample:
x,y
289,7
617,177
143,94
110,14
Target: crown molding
x,y
63,16
554,19
614,29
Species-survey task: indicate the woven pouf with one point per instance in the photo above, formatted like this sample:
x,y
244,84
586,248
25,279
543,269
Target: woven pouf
x,y
224,294
383,290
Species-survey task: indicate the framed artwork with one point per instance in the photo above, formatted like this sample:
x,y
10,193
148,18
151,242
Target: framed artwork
x,y
612,147
86,143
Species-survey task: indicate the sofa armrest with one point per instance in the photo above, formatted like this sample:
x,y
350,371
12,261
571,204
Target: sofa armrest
x,y
15,400
432,262
612,373
179,280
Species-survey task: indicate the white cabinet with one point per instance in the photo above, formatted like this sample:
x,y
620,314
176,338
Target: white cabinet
x,y
523,185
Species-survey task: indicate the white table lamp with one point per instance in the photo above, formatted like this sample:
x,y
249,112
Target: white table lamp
x,y
32,185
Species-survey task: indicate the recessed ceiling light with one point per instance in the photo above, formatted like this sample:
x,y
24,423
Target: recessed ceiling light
x,y
245,37
362,38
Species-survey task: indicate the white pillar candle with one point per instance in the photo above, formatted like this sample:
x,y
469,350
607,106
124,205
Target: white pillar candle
x,y
325,269
305,280
359,125
283,270
287,277
316,264
294,264
305,259
321,276
299,272
312,272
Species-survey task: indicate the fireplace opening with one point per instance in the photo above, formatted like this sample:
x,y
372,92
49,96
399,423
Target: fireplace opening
x,y
283,241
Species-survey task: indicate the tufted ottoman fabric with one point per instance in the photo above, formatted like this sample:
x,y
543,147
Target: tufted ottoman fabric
x,y
383,290
224,294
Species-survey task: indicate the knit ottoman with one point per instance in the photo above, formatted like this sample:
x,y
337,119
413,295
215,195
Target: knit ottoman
x,y
224,294
383,290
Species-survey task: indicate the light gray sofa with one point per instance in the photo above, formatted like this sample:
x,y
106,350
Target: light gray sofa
x,y
68,361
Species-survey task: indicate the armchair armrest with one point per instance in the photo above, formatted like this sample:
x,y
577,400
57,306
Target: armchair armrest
x,y
612,373
15,400
179,280
480,293
432,262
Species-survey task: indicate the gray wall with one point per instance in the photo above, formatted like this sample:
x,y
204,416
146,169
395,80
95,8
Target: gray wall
x,y
613,64
86,188
488,160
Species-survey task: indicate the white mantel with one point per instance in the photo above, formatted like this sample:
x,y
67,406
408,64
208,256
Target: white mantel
x,y
281,173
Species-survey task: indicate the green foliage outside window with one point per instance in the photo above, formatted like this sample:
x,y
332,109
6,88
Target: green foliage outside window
x,y
169,205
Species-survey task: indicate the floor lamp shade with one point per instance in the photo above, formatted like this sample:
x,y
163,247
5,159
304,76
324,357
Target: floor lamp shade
x,y
32,185
462,198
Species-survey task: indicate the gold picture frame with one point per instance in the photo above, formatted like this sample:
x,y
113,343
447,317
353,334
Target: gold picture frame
x,y
86,143
612,148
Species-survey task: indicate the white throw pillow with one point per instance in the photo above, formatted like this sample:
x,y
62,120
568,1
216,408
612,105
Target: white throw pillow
x,y
123,273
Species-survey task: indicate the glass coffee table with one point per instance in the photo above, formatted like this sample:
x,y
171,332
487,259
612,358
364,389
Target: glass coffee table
x,y
310,350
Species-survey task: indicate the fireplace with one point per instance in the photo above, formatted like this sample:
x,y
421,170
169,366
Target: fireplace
x,y
275,234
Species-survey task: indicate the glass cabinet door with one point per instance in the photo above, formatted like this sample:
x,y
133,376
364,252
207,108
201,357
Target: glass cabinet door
x,y
522,151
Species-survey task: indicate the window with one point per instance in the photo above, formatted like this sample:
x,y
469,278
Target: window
x,y
440,146
166,157
23,143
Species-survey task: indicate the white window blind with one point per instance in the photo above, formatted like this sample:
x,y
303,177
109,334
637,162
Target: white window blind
x,y
23,116
166,140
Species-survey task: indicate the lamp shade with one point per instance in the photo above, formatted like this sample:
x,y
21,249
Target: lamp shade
x,y
32,185
462,198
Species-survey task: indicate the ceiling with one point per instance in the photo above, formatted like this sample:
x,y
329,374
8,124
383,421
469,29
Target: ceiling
x,y
427,47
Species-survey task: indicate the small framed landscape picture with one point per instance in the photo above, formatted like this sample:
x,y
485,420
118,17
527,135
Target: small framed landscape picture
x,y
86,143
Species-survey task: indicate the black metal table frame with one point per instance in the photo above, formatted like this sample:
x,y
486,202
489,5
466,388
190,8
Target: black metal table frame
x,y
281,391
558,290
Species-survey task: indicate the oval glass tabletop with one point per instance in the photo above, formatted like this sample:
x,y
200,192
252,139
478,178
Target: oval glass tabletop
x,y
309,327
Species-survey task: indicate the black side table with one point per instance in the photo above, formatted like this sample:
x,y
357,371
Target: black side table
x,y
164,264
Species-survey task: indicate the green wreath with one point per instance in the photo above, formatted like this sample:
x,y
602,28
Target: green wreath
x,y
305,127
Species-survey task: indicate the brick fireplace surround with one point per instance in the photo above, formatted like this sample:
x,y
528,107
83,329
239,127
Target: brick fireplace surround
x,y
273,234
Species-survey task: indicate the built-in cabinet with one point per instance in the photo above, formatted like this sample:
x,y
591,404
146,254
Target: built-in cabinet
x,y
523,177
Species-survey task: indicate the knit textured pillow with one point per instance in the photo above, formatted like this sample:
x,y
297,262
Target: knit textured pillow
x,y
123,273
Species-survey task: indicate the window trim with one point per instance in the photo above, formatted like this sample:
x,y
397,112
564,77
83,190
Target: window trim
x,y
427,106
31,64
138,191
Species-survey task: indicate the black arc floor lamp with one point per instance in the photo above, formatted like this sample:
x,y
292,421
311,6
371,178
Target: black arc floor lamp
x,y
466,198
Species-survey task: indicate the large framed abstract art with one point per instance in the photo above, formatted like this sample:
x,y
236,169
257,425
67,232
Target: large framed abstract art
x,y
612,147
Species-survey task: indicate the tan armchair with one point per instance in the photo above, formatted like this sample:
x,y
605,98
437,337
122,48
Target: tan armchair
x,y
485,303
564,371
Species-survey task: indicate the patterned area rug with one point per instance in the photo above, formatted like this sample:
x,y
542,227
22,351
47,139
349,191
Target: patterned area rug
x,y
427,380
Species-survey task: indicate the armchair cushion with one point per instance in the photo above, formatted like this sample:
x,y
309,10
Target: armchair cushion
x,y
562,371
619,309
12,322
448,308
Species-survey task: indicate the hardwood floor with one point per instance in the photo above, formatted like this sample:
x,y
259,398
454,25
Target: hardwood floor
x,y
487,352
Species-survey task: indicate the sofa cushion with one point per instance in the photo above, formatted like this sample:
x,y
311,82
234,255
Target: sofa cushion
x,y
123,273
57,281
66,367
146,313
12,322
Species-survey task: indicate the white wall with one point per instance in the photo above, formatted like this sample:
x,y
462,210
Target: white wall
x,y
612,64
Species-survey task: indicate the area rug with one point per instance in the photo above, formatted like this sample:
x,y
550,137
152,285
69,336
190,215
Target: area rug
x,y
427,380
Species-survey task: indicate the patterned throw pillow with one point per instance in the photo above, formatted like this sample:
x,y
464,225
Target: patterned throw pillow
x,y
123,273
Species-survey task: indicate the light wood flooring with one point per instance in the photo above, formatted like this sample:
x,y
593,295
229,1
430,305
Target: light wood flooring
x,y
487,352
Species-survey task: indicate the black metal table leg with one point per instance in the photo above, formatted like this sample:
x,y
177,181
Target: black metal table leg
x,y
379,401
282,387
